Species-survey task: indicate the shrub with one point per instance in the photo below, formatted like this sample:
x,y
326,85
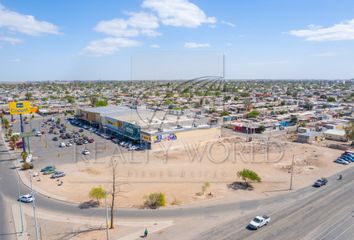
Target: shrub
x,y
155,200
205,187
24,155
26,166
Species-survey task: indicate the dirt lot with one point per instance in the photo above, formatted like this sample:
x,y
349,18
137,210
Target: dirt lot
x,y
180,173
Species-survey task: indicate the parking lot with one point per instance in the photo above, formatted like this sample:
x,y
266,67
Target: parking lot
x,y
49,152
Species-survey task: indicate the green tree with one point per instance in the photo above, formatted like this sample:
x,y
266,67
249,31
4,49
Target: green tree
x,y
101,103
224,113
5,123
261,128
249,175
70,99
98,193
331,99
253,114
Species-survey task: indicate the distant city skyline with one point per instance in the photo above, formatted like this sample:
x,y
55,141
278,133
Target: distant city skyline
x,y
175,39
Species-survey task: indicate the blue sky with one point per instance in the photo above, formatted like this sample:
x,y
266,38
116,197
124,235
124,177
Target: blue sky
x,y
90,40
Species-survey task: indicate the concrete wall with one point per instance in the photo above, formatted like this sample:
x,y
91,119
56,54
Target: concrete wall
x,y
194,136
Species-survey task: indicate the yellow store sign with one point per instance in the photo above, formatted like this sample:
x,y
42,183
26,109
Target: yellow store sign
x,y
20,107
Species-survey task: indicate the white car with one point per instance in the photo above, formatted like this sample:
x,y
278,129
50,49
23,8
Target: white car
x,y
68,144
62,145
258,222
38,134
28,198
85,152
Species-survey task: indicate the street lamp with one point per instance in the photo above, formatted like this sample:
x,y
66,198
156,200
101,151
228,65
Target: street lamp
x,y
34,208
19,195
105,202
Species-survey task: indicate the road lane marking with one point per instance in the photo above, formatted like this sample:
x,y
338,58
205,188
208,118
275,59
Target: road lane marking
x,y
344,231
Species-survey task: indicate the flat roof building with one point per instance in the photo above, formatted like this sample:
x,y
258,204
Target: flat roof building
x,y
148,127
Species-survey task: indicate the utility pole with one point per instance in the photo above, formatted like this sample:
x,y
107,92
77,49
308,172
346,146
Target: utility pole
x,y
19,202
34,209
292,173
105,202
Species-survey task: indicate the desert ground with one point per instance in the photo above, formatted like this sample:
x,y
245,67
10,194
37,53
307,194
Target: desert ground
x,y
180,173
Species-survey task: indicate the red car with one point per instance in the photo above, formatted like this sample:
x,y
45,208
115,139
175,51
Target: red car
x,y
91,140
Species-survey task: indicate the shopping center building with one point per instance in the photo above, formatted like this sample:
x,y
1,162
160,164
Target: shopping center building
x,y
149,128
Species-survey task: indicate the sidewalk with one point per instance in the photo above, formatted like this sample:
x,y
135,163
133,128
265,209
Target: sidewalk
x,y
17,222
152,226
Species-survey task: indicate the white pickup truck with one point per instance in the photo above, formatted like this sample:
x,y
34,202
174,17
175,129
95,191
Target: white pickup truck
x,y
258,222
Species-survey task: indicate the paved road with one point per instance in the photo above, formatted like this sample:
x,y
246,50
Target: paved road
x,y
328,214
7,227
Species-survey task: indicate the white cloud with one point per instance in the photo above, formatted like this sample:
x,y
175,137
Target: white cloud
x,y
323,54
108,46
155,46
25,24
337,32
179,13
196,45
140,23
230,24
10,40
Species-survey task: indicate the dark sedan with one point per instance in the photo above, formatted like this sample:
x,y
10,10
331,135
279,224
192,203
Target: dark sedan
x,y
320,182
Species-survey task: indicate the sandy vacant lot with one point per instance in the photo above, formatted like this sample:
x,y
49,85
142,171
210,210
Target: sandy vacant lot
x,y
180,173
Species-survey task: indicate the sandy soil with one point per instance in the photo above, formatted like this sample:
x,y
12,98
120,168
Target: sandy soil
x,y
180,173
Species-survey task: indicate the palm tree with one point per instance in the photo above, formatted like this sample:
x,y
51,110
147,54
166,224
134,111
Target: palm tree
x,y
5,123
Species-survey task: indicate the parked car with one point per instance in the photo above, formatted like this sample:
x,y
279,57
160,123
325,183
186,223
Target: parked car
x,y
48,168
55,138
320,182
341,161
90,140
81,130
347,157
258,222
85,152
62,145
58,174
28,198
49,171
38,134
68,144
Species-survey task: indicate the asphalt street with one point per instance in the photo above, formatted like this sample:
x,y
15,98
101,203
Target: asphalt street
x,y
327,214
